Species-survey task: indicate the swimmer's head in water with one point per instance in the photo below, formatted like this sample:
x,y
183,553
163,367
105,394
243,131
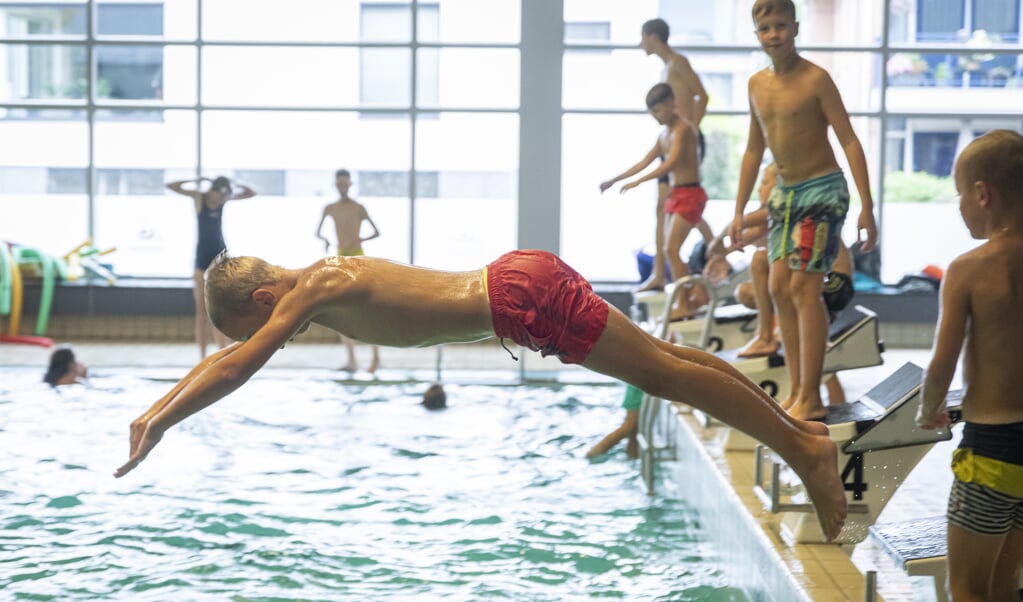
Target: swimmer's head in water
x,y
61,362
435,398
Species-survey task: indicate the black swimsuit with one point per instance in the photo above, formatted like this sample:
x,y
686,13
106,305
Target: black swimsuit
x,y
211,236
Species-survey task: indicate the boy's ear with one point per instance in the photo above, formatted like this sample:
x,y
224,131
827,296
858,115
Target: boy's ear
x,y
983,192
264,296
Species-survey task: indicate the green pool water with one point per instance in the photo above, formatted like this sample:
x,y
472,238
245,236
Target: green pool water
x,y
299,488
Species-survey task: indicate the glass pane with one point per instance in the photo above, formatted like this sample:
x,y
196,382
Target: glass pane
x,y
138,72
22,19
386,22
298,21
857,75
43,174
136,154
589,158
306,149
586,75
170,19
42,72
305,77
919,190
949,82
470,217
726,23
459,21
454,77
286,76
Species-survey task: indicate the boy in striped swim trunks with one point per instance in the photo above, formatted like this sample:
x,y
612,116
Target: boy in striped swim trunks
x,y
793,103
981,307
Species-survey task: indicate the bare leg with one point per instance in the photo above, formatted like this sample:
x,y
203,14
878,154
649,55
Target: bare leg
x,y
813,342
972,559
678,230
352,364
628,429
374,363
657,277
836,394
763,343
710,384
1005,581
788,323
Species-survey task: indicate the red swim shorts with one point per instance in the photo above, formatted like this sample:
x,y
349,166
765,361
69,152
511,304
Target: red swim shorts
x,y
688,201
541,303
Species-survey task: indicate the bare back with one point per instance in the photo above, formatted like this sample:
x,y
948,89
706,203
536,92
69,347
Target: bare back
x,y
685,85
348,216
993,274
789,110
386,303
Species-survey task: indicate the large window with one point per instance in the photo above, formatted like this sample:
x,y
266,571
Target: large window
x,y
913,110
104,102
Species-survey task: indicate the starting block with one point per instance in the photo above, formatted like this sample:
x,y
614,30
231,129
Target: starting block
x,y
879,445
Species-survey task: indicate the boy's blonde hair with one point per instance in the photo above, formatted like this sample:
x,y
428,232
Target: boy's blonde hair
x,y
996,158
230,282
766,7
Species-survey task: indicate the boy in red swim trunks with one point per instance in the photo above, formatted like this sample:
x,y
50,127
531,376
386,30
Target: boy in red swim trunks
x,y
678,145
530,297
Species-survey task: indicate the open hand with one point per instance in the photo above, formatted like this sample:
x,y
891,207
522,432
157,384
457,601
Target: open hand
x,y
932,423
605,185
144,437
866,224
735,232
628,186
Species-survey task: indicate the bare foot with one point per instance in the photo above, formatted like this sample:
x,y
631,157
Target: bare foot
x,y
653,283
759,348
789,402
814,427
683,313
818,470
807,410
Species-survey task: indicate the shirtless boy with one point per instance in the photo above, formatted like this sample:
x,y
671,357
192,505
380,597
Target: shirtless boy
x,y
348,216
690,103
677,145
530,297
981,307
792,104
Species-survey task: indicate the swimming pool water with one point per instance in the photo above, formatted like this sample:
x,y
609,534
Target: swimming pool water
x,y
308,489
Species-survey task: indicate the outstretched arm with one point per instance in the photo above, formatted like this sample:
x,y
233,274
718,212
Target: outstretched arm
x,y
952,325
635,169
212,379
683,136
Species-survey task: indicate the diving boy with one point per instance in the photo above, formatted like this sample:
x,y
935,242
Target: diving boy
x,y
530,297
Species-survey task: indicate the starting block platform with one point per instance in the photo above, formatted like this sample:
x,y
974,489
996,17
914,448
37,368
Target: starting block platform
x,y
879,445
853,342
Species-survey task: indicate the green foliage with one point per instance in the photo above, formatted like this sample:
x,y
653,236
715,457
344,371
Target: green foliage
x,y
726,142
917,187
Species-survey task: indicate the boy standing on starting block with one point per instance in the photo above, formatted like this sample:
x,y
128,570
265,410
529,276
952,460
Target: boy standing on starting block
x,y
792,104
982,312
